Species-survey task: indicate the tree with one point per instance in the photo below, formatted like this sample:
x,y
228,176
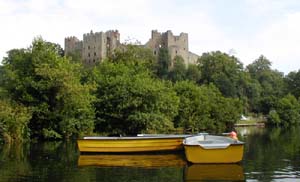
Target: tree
x,y
164,63
14,120
178,72
204,108
250,92
193,73
47,83
260,65
286,112
222,70
57,48
74,57
271,81
130,101
292,81
134,55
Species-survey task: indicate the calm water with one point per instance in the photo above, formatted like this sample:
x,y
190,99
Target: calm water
x,y
270,155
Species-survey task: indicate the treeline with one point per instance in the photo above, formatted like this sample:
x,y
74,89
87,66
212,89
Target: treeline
x,y
46,95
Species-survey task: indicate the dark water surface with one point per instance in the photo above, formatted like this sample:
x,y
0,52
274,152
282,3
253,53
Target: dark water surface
x,y
270,155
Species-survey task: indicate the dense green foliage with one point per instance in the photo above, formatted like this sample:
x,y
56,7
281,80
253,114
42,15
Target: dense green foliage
x,y
204,108
292,81
49,85
286,111
164,63
270,81
13,121
49,96
134,55
222,70
178,72
130,101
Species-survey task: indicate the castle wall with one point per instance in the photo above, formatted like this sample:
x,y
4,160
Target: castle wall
x,y
97,46
72,44
192,58
176,45
113,40
93,49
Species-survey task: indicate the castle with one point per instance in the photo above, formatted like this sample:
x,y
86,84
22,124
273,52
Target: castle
x,y
94,47
97,46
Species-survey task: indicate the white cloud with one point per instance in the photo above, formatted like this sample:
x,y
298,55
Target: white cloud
x,y
279,41
277,35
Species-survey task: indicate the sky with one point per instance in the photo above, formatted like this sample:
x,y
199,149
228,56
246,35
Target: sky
x,y
243,28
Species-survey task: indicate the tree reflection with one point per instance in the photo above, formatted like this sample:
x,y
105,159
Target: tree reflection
x,y
268,154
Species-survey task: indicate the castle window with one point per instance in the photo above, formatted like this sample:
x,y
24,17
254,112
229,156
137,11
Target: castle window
x,y
89,55
88,47
176,51
154,52
95,54
94,60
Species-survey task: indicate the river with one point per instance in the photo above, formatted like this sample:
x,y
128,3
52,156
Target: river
x,y
271,154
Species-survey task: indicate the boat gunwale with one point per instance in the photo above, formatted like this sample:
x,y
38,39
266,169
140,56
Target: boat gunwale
x,y
135,138
231,141
232,144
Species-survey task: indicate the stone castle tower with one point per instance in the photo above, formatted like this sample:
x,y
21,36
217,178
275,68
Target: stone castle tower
x,y
97,46
176,45
94,47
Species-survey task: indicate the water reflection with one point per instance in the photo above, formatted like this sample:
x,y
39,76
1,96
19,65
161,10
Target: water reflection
x,y
133,160
165,166
271,154
214,172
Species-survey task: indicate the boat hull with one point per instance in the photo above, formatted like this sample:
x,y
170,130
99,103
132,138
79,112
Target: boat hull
x,y
130,144
198,154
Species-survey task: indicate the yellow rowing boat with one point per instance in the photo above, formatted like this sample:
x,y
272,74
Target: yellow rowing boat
x,y
145,143
213,149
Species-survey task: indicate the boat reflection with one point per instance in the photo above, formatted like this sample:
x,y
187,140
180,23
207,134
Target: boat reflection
x,y
214,172
132,160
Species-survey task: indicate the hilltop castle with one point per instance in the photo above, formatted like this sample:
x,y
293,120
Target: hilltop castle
x,y
96,46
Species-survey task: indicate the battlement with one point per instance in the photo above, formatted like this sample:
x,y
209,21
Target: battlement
x,y
177,45
92,34
96,46
72,38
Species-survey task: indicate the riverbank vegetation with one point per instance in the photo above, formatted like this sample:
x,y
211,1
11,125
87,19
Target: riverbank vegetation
x,y
46,95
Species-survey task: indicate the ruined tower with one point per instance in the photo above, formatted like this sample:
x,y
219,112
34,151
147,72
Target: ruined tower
x,y
72,45
94,47
176,45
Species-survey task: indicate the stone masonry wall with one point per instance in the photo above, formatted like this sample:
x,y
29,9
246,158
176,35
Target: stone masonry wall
x,y
94,47
97,46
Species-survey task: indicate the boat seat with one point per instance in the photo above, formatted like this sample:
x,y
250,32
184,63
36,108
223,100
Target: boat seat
x,y
205,142
213,145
